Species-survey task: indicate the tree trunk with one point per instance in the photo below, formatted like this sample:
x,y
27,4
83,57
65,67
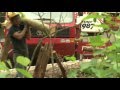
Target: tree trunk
x,y
5,49
49,70
42,62
58,60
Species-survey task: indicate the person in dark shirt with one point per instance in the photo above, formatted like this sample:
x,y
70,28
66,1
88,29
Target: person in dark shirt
x,y
18,37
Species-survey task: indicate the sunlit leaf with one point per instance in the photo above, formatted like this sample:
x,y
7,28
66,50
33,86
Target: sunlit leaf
x,y
3,66
24,72
70,58
111,48
115,66
96,41
117,35
104,40
23,60
93,15
117,43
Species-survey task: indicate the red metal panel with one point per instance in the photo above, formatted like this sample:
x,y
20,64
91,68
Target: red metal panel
x,y
63,48
73,32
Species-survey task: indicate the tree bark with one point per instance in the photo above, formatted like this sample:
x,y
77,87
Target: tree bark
x,y
37,25
42,61
58,60
5,49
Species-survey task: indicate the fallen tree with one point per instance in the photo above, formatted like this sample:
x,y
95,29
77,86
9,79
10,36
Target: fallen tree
x,y
37,25
49,70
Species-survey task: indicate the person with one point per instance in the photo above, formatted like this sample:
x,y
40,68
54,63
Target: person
x,y
18,38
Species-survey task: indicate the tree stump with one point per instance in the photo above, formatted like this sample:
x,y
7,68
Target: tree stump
x,y
42,61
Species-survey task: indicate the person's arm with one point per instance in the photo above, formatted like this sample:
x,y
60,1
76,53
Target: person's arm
x,y
20,35
28,34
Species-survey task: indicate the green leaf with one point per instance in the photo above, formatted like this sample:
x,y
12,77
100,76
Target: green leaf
x,y
3,66
98,52
104,40
117,43
70,58
23,60
73,58
100,73
111,56
85,65
105,64
24,72
97,72
72,74
96,41
93,15
111,48
108,19
114,65
118,70
4,75
117,34
94,19
94,61
66,58
118,58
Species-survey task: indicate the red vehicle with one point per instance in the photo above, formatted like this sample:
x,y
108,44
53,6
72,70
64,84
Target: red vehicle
x,y
85,49
65,40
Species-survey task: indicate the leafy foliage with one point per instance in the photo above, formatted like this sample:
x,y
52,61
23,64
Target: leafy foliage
x,y
70,58
96,41
4,75
106,62
72,74
3,66
24,72
5,71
